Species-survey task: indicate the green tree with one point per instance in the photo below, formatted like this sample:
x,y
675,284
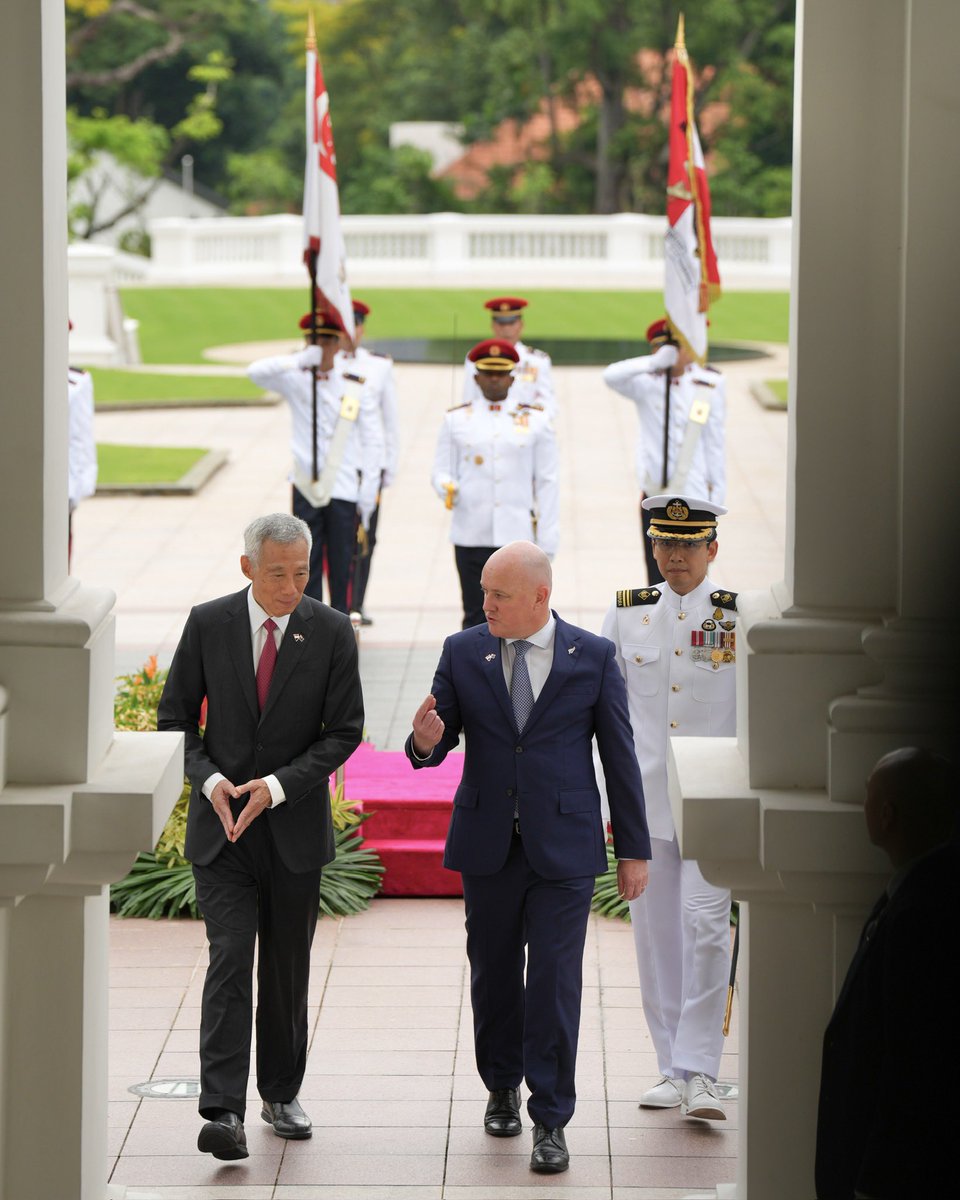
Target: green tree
x,y
148,80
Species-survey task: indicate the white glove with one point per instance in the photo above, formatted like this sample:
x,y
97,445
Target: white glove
x,y
310,357
664,358
386,478
366,512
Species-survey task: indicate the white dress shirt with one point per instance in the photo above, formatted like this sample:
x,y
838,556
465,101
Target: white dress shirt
x,y
539,657
258,635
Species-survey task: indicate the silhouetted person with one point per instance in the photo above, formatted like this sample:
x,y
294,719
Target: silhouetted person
x,y
886,1124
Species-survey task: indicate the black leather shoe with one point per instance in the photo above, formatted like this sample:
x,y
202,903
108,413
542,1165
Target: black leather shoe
x,y
549,1155
502,1118
287,1118
223,1137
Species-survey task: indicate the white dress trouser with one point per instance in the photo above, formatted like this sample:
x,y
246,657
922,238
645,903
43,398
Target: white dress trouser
x,y
681,929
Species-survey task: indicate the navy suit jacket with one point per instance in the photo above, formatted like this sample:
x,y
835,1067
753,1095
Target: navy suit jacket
x,y
548,769
312,721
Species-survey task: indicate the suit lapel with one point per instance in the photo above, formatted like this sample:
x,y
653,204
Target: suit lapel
x,y
241,649
490,660
292,646
566,652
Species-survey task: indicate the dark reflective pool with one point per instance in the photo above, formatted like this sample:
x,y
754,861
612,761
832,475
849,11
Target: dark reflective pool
x,y
565,352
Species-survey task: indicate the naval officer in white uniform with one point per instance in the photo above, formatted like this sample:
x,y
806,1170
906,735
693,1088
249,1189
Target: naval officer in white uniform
x,y
533,373
496,466
676,647
349,450
696,446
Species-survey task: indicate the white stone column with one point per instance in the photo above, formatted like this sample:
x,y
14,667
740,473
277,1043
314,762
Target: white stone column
x,y
76,800
845,658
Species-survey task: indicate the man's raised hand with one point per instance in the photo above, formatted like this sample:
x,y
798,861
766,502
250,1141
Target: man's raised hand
x,y
427,727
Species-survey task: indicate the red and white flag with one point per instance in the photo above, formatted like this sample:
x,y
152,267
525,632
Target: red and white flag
x,y
324,250
691,277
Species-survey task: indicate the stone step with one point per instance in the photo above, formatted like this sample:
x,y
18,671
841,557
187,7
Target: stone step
x,y
414,867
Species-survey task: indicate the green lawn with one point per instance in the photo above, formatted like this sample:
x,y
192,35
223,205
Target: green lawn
x,y
178,324
145,464
779,389
113,388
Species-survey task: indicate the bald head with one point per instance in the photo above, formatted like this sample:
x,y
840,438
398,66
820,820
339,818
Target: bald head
x,y
517,580
911,805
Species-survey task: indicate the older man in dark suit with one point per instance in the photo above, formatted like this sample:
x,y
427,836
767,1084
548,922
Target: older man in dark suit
x,y
886,1126
530,693
284,710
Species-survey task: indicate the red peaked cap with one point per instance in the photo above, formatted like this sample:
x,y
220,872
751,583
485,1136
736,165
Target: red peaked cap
x,y
658,331
328,322
505,308
360,310
494,354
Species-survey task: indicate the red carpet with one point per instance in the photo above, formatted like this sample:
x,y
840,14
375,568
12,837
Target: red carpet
x,y
407,817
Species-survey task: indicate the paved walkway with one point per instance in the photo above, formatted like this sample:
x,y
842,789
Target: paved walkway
x,y
391,1083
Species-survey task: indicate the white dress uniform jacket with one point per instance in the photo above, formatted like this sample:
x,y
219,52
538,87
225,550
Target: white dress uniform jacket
x,y
82,451
533,380
503,459
377,371
641,383
674,688
363,454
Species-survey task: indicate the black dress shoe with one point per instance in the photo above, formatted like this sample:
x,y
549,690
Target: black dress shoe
x,y
287,1118
549,1155
502,1118
223,1137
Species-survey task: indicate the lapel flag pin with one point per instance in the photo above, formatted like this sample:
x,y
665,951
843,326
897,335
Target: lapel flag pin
x,y
490,657
572,650
298,637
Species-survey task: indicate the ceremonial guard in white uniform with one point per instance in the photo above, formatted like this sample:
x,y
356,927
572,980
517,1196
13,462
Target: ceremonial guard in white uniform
x,y
82,448
349,450
377,371
533,374
695,444
496,467
676,647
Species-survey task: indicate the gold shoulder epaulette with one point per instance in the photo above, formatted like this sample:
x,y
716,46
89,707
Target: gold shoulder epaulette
x,y
711,367
629,598
353,378
531,406
457,407
705,382
724,599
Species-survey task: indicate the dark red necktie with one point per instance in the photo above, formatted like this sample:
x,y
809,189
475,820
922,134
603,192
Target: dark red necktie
x,y
268,660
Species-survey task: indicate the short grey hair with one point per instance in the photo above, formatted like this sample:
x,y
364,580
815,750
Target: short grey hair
x,y
274,527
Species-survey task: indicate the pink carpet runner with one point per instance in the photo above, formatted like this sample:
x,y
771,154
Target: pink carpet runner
x,y
408,813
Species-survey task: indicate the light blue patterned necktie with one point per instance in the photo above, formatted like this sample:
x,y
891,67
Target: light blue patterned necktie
x,y
521,691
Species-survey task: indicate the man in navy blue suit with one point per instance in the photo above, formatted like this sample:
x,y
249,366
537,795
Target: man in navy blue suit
x,y
530,693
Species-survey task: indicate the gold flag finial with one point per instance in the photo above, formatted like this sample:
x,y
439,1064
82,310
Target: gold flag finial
x,y
679,43
311,42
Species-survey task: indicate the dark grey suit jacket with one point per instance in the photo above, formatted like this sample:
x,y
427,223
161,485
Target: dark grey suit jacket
x,y
312,722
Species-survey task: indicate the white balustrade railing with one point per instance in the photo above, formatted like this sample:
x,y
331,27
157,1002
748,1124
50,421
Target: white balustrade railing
x,y
435,249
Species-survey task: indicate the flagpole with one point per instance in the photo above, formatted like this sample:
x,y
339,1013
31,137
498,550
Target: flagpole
x,y
311,257
664,478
